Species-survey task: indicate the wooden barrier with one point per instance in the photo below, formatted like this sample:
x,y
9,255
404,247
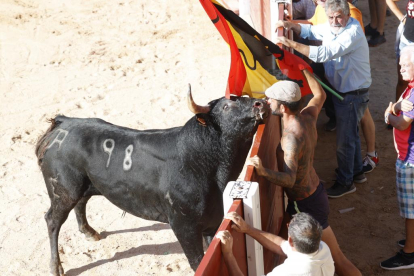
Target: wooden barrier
x,y
271,204
213,263
271,196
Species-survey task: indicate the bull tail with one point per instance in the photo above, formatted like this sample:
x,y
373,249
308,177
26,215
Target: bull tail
x,y
43,140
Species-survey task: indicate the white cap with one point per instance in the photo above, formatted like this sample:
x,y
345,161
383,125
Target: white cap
x,y
287,91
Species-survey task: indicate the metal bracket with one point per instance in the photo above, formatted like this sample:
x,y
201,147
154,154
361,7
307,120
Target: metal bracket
x,y
281,1
240,189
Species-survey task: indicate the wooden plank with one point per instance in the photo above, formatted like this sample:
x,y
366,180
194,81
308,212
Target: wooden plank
x,y
213,262
271,196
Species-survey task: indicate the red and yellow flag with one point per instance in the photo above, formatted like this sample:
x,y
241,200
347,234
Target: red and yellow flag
x,y
256,62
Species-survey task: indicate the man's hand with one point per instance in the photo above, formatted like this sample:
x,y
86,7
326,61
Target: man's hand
x,y
281,23
282,40
226,242
257,163
389,109
227,249
238,222
387,113
288,25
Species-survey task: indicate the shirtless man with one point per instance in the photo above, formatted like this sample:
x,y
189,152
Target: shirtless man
x,y
301,183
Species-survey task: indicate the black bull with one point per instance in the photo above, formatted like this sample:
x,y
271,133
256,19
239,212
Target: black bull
x,y
175,175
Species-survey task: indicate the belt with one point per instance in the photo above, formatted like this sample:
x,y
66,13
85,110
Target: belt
x,y
361,91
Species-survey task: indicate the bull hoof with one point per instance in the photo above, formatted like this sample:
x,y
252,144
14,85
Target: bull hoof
x,y
90,233
93,237
58,272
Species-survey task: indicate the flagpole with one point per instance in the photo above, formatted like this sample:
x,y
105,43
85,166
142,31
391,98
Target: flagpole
x,y
328,88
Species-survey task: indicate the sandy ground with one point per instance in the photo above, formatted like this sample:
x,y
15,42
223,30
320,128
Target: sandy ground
x,y
129,62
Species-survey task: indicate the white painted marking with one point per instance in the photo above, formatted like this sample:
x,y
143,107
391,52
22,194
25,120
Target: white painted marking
x,y
59,138
128,160
108,146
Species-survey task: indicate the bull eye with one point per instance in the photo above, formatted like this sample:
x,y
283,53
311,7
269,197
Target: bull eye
x,y
225,106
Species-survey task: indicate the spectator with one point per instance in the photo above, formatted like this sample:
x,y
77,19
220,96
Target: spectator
x,y
302,185
401,115
404,37
320,14
306,253
371,159
303,9
345,56
375,29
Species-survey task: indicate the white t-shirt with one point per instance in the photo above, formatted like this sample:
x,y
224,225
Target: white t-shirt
x,y
319,263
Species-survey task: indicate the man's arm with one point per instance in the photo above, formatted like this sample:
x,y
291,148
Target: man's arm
x,y
344,44
301,48
315,104
297,21
289,25
402,105
267,240
291,149
401,122
227,249
394,8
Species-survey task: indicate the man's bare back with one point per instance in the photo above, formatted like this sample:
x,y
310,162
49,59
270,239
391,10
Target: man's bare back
x,y
299,138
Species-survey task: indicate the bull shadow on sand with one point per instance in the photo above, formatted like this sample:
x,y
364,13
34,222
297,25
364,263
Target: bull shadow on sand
x,y
154,227
151,249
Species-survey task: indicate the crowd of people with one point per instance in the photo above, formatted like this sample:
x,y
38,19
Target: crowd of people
x,y
331,35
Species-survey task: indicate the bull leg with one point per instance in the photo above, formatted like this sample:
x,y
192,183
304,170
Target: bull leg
x,y
84,227
191,241
55,217
62,202
208,239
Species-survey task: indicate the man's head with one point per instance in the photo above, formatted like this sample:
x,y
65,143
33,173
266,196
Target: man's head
x,y
338,14
305,233
282,95
407,63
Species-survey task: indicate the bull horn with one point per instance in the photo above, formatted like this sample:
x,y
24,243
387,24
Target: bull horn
x,y
195,108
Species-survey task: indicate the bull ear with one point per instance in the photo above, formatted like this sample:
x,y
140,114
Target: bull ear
x,y
202,119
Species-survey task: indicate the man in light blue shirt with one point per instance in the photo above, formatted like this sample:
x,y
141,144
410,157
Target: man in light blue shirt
x,y
345,55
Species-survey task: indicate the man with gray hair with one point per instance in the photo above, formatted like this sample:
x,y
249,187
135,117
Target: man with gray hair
x,y
298,177
400,115
306,253
345,55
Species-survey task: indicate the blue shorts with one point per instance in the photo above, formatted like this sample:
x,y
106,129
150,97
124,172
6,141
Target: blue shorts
x,y
316,205
405,188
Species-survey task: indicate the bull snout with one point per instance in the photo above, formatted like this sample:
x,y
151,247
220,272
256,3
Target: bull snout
x,y
258,104
261,108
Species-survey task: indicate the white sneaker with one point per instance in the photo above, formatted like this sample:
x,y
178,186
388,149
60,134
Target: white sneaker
x,y
369,163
